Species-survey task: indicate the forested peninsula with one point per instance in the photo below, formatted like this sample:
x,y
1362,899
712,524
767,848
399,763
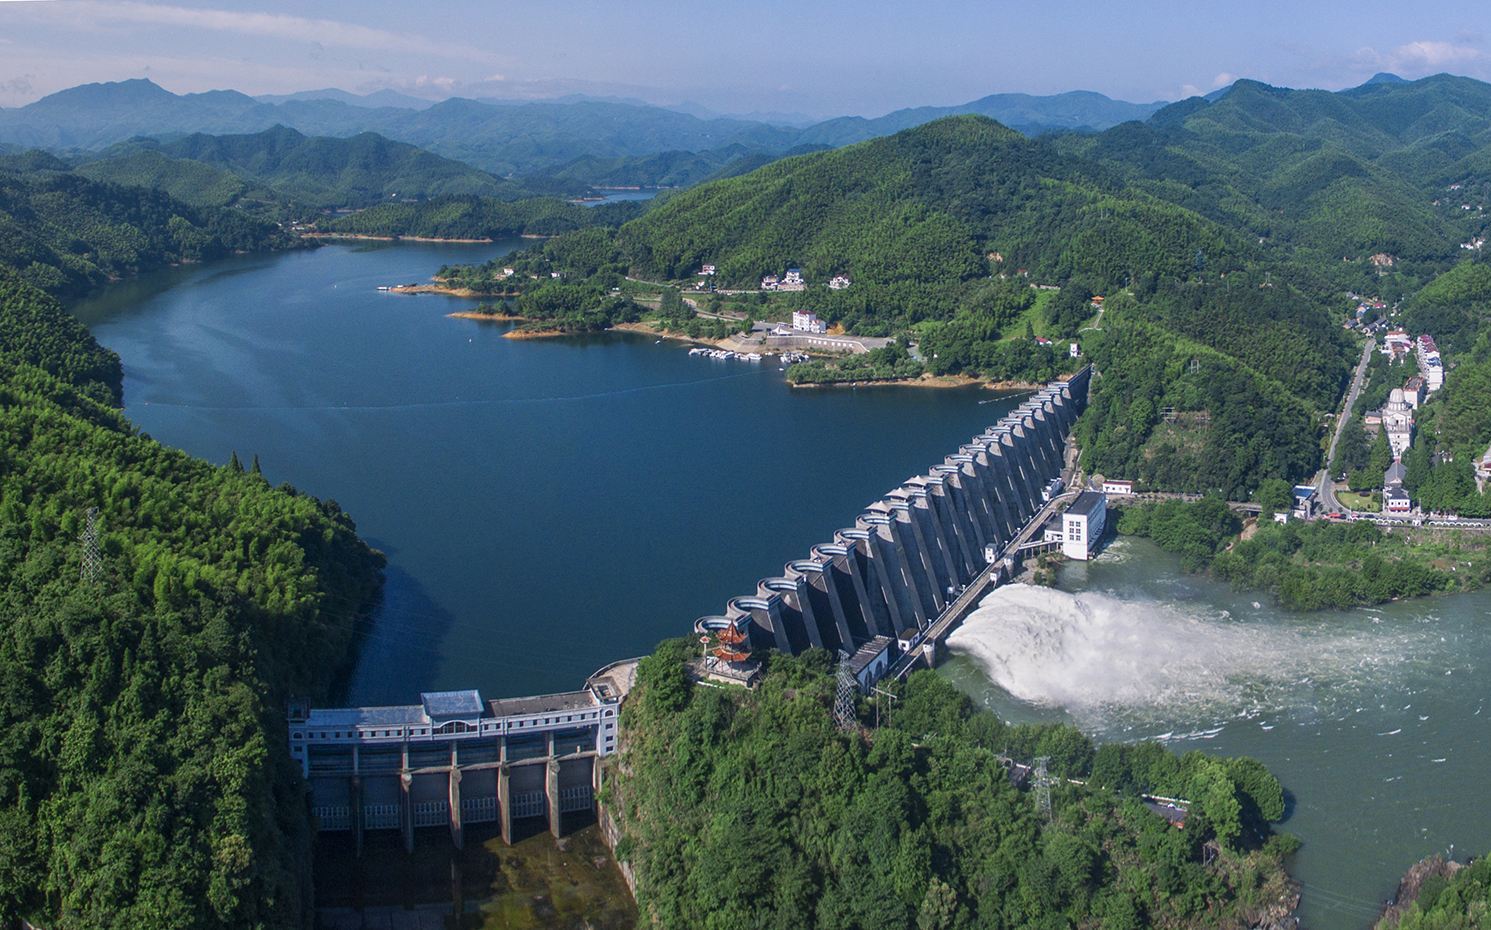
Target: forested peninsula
x,y
144,777
750,809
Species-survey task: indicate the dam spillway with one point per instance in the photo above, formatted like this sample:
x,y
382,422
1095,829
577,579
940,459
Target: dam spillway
x,y
908,555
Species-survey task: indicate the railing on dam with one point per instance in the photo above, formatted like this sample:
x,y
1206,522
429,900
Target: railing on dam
x,y
909,554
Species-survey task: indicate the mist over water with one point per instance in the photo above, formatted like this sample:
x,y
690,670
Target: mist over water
x,y
1118,664
1375,719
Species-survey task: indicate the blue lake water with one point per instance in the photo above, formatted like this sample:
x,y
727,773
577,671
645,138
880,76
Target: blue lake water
x,y
547,506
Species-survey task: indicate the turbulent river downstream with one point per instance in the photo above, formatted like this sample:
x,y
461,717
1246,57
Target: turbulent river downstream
x,y
1375,719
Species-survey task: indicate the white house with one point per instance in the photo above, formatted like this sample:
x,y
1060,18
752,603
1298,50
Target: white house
x,y
838,282
1082,525
707,270
1117,486
805,321
770,283
793,281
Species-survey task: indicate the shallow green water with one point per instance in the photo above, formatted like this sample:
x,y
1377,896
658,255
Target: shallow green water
x,y
1375,719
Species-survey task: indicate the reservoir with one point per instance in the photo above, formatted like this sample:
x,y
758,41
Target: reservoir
x,y
548,506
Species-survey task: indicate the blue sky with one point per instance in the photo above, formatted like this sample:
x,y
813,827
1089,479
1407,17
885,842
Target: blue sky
x,y
818,57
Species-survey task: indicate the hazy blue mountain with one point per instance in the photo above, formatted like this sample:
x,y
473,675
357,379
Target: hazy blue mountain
x,y
317,171
1078,110
381,98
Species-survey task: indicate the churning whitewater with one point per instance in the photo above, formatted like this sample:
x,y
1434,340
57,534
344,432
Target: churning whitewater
x,y
1116,663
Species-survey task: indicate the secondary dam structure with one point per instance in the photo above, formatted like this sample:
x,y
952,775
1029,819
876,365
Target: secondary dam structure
x,y
910,554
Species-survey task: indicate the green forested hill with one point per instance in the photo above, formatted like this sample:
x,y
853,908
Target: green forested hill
x,y
143,776
481,218
943,228
922,208
1327,175
751,809
64,232
309,171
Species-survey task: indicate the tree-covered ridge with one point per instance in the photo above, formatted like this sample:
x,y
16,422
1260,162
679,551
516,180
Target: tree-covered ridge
x,y
1323,175
63,232
481,218
922,208
35,330
1311,566
750,809
144,779
307,171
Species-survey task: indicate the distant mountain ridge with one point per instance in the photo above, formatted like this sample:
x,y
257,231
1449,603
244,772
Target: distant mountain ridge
x,y
315,171
503,137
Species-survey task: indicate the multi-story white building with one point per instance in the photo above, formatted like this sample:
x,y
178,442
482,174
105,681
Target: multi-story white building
x,y
792,281
805,321
1082,525
838,282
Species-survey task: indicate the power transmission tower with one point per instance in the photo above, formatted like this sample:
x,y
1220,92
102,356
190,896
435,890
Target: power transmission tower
x,y
92,571
845,691
1043,786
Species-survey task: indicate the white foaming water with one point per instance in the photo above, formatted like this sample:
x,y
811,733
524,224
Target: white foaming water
x,y
1111,662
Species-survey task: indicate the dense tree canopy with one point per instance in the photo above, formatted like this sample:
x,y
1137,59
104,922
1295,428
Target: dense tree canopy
x,y
144,779
745,810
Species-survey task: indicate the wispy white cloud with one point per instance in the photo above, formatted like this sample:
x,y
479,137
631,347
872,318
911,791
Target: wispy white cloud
x,y
279,26
1422,56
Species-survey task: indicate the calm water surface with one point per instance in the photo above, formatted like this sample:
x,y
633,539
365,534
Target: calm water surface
x,y
547,506
1376,720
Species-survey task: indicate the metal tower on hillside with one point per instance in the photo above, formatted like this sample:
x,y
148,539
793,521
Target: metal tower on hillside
x,y
1043,786
92,570
846,689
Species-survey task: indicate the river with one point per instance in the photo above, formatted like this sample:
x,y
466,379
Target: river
x,y
547,506
1376,720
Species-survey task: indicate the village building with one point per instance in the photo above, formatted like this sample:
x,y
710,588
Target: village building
x,y
792,281
838,282
805,321
1117,486
770,283
1413,391
1431,366
707,270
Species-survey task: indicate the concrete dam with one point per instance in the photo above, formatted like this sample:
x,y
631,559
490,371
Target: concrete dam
x,y
910,554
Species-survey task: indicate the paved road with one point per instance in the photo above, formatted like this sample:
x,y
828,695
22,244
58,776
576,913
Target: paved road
x,y
1326,487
